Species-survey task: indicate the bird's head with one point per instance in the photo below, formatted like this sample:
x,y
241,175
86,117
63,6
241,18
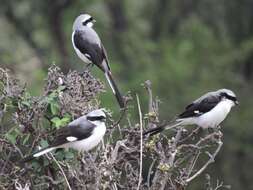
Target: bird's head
x,y
228,95
83,20
96,116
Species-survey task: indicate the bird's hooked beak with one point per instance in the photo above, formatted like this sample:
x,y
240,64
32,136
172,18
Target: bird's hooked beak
x,y
94,21
236,102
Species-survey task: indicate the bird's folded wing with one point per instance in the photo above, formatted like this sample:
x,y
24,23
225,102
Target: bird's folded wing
x,y
73,133
105,57
200,106
87,46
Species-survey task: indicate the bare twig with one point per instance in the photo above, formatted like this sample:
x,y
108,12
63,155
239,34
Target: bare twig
x,y
150,172
173,160
195,131
122,114
141,142
174,147
152,106
211,160
192,165
65,177
150,102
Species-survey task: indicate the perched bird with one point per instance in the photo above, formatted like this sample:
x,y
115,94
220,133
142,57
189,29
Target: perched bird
x,y
82,134
90,50
208,111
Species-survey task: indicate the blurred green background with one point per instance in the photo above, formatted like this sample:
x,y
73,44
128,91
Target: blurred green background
x,y
185,47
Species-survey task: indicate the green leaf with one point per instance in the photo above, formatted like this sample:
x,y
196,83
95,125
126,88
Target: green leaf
x,y
56,121
69,155
26,103
36,166
26,139
43,143
17,131
61,88
51,97
54,107
65,120
45,162
60,155
60,122
11,137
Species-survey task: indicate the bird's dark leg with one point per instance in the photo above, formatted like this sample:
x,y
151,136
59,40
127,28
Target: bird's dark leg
x,y
210,130
192,134
196,131
218,128
215,130
87,68
89,156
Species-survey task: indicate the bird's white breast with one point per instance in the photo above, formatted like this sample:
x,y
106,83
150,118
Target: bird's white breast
x,y
215,116
90,142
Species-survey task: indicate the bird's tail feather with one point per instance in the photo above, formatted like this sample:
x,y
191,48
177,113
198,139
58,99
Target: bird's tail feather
x,y
37,154
161,128
115,89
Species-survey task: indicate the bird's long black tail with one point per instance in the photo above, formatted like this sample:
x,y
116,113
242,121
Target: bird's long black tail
x,y
153,131
37,154
159,129
115,89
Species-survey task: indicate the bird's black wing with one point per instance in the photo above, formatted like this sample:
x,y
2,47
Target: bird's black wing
x,y
105,56
81,131
88,47
198,108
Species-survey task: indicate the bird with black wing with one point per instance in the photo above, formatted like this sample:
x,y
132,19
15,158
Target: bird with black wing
x,y
82,134
90,50
208,111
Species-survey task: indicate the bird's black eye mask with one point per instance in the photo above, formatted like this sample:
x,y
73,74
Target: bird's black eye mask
x,y
95,118
232,98
87,21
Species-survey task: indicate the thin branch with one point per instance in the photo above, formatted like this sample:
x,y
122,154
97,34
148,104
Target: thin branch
x,y
194,132
194,161
122,114
150,102
152,107
150,171
208,137
141,141
174,147
65,177
123,110
211,160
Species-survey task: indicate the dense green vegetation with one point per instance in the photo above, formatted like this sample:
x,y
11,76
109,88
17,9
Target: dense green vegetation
x,y
184,47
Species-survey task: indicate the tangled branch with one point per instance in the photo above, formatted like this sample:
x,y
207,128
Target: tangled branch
x,y
171,160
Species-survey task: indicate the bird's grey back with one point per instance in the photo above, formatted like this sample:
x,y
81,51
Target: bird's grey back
x,y
78,121
214,94
207,95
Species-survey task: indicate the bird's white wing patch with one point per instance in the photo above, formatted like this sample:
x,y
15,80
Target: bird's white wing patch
x,y
71,139
196,111
87,56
